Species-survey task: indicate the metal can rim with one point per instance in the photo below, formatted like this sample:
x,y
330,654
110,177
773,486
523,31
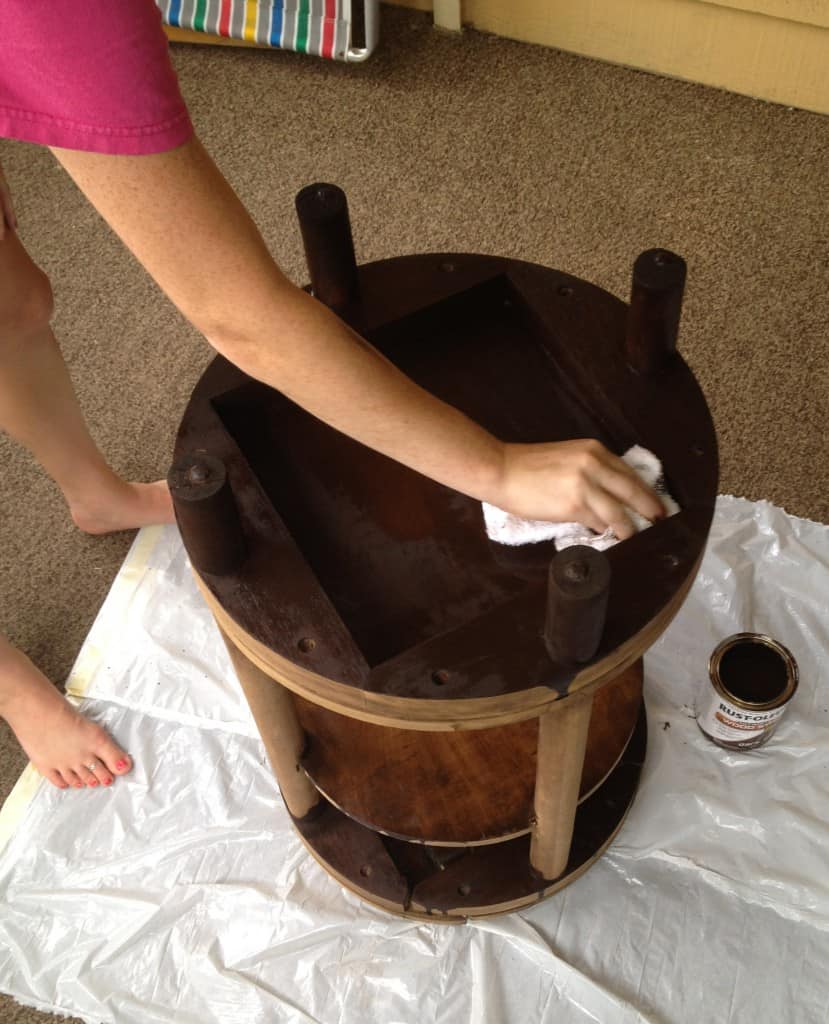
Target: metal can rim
x,y
726,645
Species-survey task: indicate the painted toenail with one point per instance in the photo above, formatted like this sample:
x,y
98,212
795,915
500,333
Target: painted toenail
x,y
93,783
107,782
120,764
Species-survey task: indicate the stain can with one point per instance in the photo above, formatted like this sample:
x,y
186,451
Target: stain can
x,y
753,678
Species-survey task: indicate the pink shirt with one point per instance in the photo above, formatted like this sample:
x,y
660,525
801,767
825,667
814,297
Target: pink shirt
x,y
89,74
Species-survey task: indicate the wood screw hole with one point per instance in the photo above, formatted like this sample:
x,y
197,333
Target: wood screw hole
x,y
198,474
565,290
662,259
465,889
671,561
307,644
447,267
365,870
441,677
577,572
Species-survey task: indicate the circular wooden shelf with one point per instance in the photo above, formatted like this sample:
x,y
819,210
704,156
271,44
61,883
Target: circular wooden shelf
x,y
453,789
451,884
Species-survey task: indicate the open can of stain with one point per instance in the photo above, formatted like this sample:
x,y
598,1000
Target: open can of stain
x,y
753,678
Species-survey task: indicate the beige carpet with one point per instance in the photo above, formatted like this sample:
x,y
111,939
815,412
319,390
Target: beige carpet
x,y
443,143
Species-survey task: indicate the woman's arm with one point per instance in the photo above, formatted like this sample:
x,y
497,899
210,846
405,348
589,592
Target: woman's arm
x,y
182,220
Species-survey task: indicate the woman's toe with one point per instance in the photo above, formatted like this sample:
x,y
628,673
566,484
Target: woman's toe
x,y
57,779
117,761
86,776
100,771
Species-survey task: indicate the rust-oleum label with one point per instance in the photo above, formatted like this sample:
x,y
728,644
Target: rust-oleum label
x,y
724,721
753,678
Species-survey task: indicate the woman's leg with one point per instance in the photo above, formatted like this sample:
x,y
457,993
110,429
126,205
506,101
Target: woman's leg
x,y
63,745
39,409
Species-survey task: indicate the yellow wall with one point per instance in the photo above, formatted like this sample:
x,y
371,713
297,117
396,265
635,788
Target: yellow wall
x,y
772,49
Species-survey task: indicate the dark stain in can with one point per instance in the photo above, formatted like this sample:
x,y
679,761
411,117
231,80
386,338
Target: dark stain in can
x,y
753,678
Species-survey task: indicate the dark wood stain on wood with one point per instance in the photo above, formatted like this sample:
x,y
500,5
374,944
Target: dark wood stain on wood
x,y
655,306
322,210
206,513
578,586
391,574
355,852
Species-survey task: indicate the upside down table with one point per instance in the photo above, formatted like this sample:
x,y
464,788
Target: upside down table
x,y
457,727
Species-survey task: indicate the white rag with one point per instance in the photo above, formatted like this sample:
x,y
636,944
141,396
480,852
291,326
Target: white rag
x,y
505,528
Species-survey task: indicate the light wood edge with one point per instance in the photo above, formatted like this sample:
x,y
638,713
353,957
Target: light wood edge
x,y
441,715
418,840
461,914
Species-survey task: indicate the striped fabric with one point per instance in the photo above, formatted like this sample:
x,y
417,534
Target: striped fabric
x,y
320,27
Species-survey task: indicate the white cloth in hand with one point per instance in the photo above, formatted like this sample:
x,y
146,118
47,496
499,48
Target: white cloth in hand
x,y
505,528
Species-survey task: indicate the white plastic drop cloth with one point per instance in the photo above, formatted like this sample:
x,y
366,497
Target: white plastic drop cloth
x,y
182,895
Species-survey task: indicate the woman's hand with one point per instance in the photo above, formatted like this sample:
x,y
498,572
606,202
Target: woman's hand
x,y
574,481
8,221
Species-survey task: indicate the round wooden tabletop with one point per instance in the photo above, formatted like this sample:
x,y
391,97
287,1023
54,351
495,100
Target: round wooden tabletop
x,y
373,591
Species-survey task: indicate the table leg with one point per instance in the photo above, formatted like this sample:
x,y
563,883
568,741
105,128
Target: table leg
x,y
562,738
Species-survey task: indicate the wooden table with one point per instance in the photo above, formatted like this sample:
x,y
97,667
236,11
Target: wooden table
x,y
456,726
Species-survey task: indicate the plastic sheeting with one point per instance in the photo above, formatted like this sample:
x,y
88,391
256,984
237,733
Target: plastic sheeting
x,y
182,895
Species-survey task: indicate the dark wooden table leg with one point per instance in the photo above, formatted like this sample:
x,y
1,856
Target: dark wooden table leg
x,y
206,513
322,210
655,307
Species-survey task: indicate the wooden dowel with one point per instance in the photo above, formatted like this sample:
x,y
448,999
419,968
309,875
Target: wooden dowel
x,y
206,514
655,307
577,590
322,210
272,706
562,739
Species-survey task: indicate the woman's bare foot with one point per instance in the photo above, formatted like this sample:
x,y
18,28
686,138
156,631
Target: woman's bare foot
x,y
63,746
123,506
